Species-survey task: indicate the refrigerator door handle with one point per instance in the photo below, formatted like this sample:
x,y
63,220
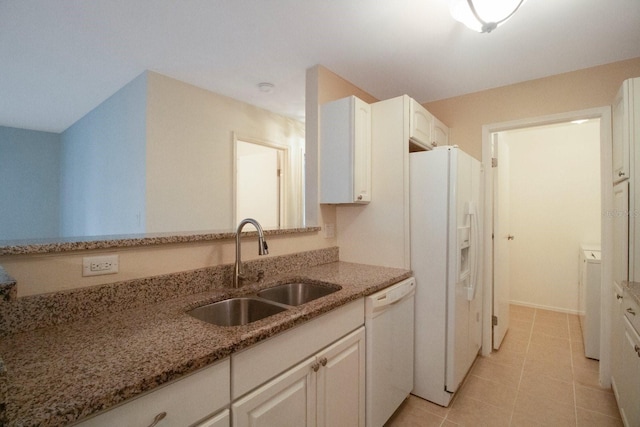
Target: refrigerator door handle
x,y
474,241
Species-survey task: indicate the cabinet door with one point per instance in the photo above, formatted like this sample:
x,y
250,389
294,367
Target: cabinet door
x,y
621,135
617,333
630,380
286,401
420,125
440,134
223,419
345,151
341,382
362,152
620,217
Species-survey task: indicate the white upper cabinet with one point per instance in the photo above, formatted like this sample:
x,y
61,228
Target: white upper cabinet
x,y
345,151
440,133
425,130
621,134
420,125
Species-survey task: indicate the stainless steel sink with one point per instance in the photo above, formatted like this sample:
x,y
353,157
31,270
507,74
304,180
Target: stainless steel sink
x,y
297,293
235,311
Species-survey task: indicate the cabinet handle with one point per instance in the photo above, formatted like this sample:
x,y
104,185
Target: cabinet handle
x,y
630,311
618,296
158,418
637,349
323,361
621,173
315,367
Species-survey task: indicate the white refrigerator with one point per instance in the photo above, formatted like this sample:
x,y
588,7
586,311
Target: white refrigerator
x,y
446,258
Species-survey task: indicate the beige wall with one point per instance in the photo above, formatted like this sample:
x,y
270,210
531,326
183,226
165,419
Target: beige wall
x,y
190,154
592,87
554,206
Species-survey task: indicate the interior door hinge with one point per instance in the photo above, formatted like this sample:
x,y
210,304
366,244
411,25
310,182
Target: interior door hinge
x,y
494,162
494,320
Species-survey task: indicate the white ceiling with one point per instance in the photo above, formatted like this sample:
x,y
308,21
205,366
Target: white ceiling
x,y
61,58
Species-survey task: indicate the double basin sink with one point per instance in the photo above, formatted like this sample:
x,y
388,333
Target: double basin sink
x,y
265,303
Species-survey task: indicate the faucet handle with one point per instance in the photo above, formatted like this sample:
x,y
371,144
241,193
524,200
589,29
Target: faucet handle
x,y
265,248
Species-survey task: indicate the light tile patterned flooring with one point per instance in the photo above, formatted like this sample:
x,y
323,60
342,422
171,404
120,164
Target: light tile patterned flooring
x,y
539,377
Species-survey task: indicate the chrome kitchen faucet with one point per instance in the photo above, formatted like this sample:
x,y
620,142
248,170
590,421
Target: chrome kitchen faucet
x,y
263,249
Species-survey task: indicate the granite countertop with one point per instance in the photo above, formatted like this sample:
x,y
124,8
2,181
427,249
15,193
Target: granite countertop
x,y
633,289
59,374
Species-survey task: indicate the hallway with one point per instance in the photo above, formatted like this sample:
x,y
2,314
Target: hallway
x,y
539,377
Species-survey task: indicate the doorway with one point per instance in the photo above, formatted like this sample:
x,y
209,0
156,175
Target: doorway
x,y
260,182
491,134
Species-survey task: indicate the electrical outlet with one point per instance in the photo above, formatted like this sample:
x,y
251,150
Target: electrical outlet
x,y
98,265
329,231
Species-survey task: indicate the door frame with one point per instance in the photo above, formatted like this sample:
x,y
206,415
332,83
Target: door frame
x,y
284,179
606,233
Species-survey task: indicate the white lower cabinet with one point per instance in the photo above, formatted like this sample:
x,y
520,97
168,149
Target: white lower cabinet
x,y
340,390
617,334
627,373
223,419
629,383
284,401
184,402
310,375
326,389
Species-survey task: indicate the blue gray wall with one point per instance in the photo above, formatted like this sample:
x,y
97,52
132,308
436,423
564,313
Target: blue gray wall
x,y
29,184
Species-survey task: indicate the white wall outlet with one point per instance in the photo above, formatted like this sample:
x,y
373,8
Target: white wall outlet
x,y
329,231
98,265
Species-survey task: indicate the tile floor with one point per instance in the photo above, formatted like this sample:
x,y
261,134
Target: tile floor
x,y
539,377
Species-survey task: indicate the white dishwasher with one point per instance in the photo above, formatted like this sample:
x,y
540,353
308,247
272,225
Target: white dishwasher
x,y
389,355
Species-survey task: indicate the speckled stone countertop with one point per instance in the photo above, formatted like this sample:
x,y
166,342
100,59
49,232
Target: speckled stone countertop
x,y
59,374
47,246
633,288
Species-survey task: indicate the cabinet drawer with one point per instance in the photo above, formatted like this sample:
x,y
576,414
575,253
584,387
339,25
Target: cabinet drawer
x,y
631,311
256,365
185,401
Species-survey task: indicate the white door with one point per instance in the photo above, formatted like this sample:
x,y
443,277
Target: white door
x,y
341,383
501,239
286,401
258,183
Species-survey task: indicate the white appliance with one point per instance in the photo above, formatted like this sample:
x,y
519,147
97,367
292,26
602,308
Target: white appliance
x,y
389,355
445,199
589,299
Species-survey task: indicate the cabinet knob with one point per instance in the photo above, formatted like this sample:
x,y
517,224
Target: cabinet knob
x,y
630,311
323,361
360,197
315,367
618,296
621,173
158,418
637,349
434,144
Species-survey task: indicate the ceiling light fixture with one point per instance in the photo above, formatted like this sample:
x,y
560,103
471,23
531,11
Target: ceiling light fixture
x,y
483,16
266,87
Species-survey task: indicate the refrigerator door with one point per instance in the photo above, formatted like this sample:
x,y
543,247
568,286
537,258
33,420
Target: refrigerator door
x,y
429,196
445,259
463,278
